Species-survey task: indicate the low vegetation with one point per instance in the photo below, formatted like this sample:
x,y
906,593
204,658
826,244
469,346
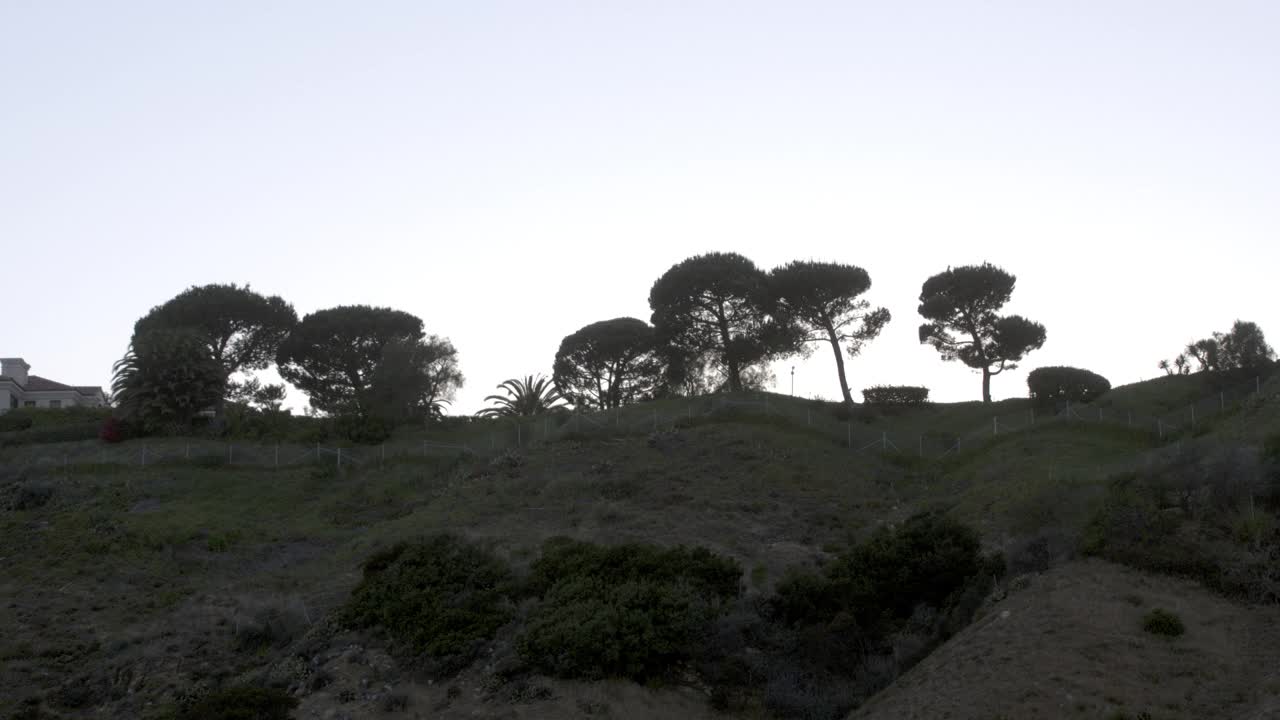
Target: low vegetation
x,y
241,703
635,611
1162,622
442,596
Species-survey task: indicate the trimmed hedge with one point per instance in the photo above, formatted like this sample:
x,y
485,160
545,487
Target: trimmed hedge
x,y
13,422
51,434
1066,384
896,395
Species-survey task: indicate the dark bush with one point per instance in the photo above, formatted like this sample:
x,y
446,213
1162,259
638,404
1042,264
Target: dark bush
x,y
878,583
896,395
442,596
564,558
1066,384
363,430
1163,622
242,703
13,421
634,611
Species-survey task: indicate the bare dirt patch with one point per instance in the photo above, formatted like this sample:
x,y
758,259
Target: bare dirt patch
x,y
1071,644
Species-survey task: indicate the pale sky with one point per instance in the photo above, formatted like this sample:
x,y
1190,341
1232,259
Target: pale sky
x,y
511,171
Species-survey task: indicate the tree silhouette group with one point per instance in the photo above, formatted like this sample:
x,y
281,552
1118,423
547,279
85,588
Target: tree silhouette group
x,y
717,323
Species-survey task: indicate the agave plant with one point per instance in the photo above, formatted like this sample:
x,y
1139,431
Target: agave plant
x,y
522,398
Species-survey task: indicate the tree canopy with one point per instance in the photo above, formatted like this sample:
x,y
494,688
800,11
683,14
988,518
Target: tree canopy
x,y
962,308
242,328
718,306
609,363
332,354
823,300
1243,347
414,379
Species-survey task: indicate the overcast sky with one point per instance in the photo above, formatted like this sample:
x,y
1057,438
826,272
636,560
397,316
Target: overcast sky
x,y
510,171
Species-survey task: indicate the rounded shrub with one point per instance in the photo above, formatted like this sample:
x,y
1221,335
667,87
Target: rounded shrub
x,y
1066,384
443,596
1163,622
632,611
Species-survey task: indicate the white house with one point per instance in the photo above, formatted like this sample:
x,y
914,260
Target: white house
x,y
18,389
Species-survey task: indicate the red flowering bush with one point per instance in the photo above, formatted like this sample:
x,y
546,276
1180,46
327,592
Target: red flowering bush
x,y
113,430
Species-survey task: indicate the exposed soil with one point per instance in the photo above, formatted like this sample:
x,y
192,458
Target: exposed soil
x,y
1071,644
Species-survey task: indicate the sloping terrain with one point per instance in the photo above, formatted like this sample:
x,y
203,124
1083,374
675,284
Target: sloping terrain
x,y
125,589
1070,643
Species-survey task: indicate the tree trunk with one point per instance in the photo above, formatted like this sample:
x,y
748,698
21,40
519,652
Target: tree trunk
x,y
844,384
731,362
986,385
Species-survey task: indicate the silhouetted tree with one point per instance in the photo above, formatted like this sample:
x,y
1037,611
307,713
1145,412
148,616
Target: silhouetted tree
x,y
1243,347
332,354
166,378
822,299
415,379
962,306
253,393
242,328
1179,366
524,398
717,307
609,363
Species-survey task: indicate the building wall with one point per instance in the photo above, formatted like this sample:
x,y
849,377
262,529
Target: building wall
x,y
5,401
68,398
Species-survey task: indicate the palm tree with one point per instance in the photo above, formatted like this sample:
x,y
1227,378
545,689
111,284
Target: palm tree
x,y
530,396
166,378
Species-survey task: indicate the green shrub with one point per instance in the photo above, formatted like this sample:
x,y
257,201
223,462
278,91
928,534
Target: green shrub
x,y
878,583
442,596
242,703
896,395
363,430
633,611
1163,622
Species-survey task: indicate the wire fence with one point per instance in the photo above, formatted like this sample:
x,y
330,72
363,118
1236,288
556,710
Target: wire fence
x,y
859,435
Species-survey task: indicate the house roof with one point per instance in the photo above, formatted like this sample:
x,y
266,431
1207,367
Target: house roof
x,y
35,383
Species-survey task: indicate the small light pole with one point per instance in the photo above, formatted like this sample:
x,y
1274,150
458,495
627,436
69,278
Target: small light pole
x,y
793,379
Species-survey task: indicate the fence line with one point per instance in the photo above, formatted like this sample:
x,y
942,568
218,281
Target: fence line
x,y
930,444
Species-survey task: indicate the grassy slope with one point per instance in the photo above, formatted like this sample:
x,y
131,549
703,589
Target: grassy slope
x,y
135,567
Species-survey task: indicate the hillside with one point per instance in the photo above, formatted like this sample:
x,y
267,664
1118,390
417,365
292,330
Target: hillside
x,y
127,588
